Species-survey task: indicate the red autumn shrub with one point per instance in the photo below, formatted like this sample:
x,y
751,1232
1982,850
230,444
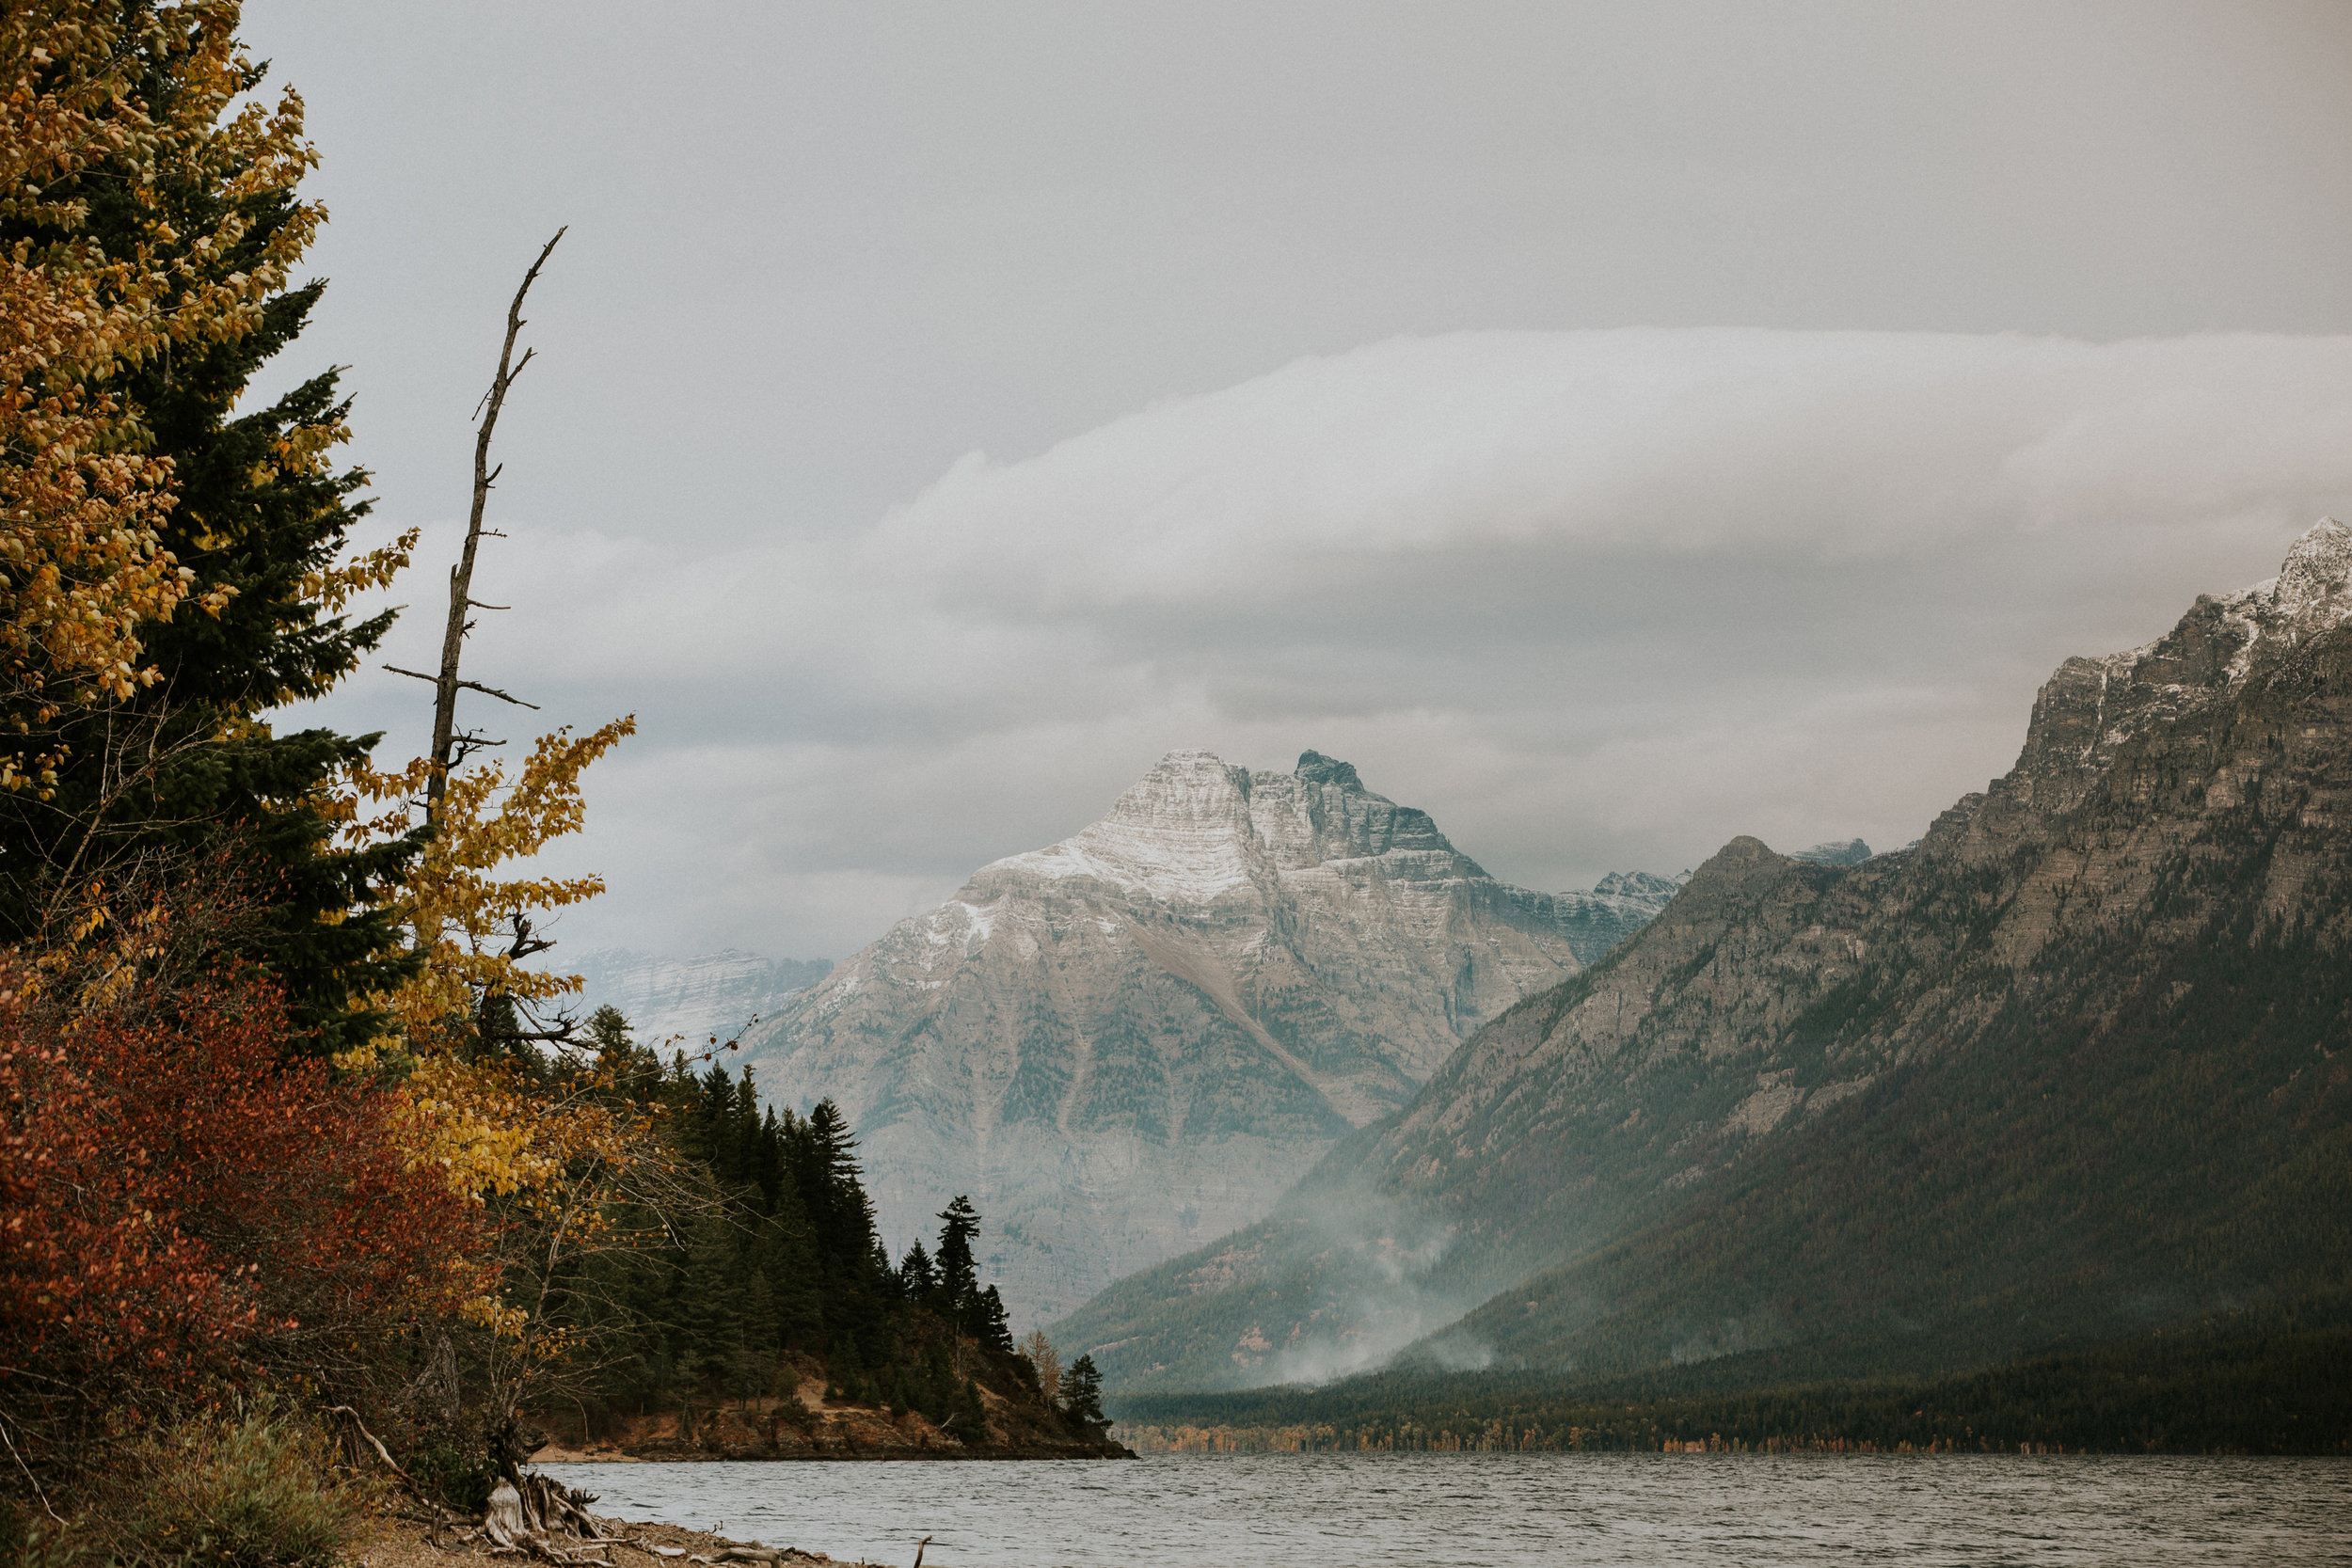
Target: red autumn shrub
x,y
183,1207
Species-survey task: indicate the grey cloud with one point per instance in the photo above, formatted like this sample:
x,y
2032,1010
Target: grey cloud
x,y
1800,589
1597,600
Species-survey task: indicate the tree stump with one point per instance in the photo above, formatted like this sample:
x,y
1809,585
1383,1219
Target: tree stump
x,y
503,1521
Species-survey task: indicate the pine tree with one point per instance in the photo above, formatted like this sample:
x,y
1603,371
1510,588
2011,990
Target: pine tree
x,y
959,1273
755,1369
259,513
710,1306
780,1255
991,1327
937,1400
971,1421
1082,1392
839,1213
918,1281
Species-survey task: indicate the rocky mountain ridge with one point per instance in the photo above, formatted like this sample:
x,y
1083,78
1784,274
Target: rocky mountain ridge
x,y
1851,851
1617,906
1137,1037
688,1000
2078,1055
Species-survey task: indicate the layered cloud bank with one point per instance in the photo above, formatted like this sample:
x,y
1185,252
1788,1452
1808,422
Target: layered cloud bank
x,y
1596,599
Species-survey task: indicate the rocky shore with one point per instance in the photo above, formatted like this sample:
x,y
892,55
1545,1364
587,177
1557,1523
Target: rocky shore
x,y
402,1543
807,1425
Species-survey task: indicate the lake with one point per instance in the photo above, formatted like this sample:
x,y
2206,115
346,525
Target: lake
x,y
1485,1510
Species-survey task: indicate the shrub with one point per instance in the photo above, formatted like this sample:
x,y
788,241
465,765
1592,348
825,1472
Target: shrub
x,y
457,1473
187,1209
248,1490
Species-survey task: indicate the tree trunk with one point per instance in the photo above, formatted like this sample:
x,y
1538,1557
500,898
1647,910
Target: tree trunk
x,y
461,600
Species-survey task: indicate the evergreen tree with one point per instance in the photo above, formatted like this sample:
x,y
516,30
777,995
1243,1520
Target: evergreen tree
x,y
610,1034
959,1273
918,1282
755,1369
839,1213
971,1420
258,513
1082,1392
937,1399
710,1307
991,1325
780,1255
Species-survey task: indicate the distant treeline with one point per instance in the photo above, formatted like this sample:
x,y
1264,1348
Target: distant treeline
x,y
2270,1380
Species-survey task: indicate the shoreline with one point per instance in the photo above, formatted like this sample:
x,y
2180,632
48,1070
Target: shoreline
x,y
803,1425
395,1540
997,1456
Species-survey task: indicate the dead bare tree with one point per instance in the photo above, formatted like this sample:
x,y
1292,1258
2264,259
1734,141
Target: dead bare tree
x,y
451,745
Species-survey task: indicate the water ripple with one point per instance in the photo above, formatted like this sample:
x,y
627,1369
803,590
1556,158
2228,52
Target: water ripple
x,y
1499,1511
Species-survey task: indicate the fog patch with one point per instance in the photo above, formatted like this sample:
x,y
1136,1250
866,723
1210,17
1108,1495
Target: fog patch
x,y
1382,1281
1729,1335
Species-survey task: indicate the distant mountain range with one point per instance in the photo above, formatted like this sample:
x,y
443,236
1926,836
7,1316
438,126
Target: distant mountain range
x,y
673,1002
2077,1064
1137,1039
1851,853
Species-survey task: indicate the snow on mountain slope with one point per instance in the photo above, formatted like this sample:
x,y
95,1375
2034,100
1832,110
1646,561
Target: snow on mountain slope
x,y
690,1000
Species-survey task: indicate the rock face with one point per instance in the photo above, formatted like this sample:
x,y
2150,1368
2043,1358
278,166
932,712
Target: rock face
x,y
1135,1039
1619,905
692,999
2075,1063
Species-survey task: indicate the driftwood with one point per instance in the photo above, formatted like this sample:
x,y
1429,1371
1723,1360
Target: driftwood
x,y
353,1431
918,1550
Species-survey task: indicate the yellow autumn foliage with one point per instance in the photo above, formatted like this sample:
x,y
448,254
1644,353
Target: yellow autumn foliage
x,y
548,1154
81,499
458,908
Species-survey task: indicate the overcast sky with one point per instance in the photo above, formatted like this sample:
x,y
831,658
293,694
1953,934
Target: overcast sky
x,y
1613,427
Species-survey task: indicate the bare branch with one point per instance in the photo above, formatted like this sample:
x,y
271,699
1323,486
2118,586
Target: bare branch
x,y
494,691
469,686
461,578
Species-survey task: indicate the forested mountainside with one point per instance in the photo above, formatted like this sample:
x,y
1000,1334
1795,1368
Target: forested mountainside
x,y
1139,1038
2072,1064
690,1000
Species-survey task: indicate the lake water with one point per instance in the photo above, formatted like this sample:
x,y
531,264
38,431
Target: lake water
x,y
1309,1510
